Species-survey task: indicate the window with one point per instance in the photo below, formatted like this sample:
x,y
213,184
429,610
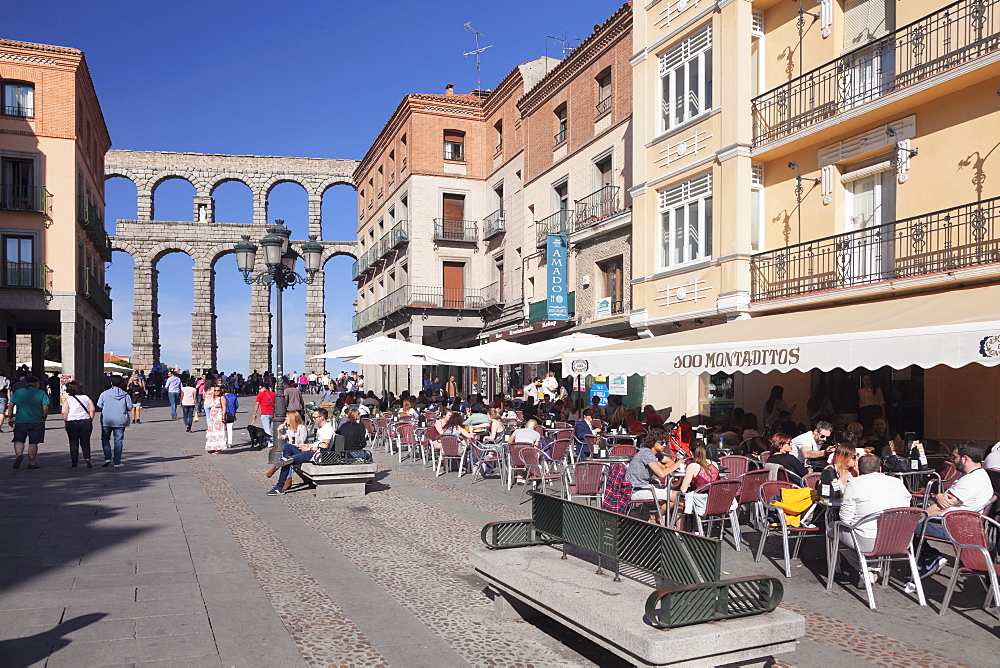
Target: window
x,y
561,193
686,79
500,292
603,174
19,261
757,209
17,185
757,64
560,124
611,273
604,92
686,221
498,126
454,145
18,99
498,191
865,20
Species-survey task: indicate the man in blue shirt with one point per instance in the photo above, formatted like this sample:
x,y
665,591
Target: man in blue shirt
x,y
115,405
173,388
582,429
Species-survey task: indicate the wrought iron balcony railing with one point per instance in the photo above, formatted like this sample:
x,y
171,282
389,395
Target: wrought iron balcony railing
x,y
557,223
560,137
596,206
961,32
35,275
424,297
25,111
464,231
22,198
92,220
603,107
963,236
493,224
95,293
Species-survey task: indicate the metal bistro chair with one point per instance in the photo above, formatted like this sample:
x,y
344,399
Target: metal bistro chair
x,y
719,507
971,535
584,480
536,473
810,480
894,538
623,450
481,456
750,494
381,433
590,442
562,453
514,461
450,449
406,437
737,464
366,422
769,490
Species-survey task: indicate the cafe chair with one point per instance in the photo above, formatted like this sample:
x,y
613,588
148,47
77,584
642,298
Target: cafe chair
x,y
449,449
381,433
624,450
562,451
406,437
972,534
514,462
810,480
720,506
366,422
536,469
737,464
481,456
893,542
773,522
646,494
749,495
584,481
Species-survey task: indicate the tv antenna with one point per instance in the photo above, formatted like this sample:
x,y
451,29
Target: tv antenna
x,y
478,53
566,48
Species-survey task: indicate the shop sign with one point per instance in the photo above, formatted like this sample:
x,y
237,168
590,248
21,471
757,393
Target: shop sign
x,y
599,390
737,359
603,308
525,330
618,384
557,304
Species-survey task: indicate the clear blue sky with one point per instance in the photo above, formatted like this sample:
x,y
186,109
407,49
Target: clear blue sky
x,y
315,79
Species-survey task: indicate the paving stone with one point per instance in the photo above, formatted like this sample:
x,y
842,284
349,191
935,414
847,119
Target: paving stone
x,y
172,625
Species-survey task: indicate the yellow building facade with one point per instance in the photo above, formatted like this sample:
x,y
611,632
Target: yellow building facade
x,y
791,156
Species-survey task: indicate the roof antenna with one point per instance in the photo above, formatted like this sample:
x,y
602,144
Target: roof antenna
x,y
477,52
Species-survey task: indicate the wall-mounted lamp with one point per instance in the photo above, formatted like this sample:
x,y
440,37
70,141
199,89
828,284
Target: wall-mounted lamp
x,y
799,191
801,23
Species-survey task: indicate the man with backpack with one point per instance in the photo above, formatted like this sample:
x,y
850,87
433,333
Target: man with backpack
x,y
115,405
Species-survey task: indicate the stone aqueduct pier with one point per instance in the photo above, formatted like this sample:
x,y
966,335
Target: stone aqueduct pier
x,y
205,240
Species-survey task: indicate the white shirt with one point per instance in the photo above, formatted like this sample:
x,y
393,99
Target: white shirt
x,y
325,433
973,490
801,441
312,378
551,385
992,460
870,493
76,411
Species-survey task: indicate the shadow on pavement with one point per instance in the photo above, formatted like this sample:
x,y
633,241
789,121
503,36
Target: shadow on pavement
x,y
36,648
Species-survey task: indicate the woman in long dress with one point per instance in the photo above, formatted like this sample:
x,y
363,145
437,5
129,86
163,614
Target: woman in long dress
x,y
215,431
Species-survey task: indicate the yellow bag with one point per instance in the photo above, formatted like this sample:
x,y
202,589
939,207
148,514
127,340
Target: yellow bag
x,y
794,502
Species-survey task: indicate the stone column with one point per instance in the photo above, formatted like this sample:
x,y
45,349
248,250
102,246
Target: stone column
x,y
73,356
260,323
315,323
316,216
144,204
145,319
203,342
259,209
38,355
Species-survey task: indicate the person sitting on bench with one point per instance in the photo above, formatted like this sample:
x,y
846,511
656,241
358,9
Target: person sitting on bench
x,y
300,453
354,435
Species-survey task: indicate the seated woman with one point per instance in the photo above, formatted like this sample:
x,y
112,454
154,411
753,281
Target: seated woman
x,y
652,462
355,436
496,430
408,409
296,449
632,422
884,440
700,471
781,454
844,466
652,418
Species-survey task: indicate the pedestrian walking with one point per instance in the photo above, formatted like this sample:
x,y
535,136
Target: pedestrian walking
x,y
4,394
115,405
303,383
136,389
215,427
231,405
32,406
173,387
189,402
293,398
264,407
78,416
54,383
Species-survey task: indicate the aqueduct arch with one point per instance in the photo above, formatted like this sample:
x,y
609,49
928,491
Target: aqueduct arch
x,y
205,240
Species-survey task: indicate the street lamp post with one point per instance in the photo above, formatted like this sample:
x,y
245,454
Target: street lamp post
x,y
279,259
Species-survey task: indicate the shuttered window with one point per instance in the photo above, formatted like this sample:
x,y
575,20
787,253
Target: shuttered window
x,y
453,212
454,145
865,20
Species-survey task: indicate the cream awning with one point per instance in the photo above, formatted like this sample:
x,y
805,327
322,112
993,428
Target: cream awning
x,y
954,328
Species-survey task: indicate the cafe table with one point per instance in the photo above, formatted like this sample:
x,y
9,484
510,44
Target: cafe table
x,y
831,513
914,478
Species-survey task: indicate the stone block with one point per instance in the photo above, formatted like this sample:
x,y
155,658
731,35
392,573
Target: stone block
x,y
338,481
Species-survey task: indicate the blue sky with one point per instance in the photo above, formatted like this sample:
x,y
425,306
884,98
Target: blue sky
x,y
315,79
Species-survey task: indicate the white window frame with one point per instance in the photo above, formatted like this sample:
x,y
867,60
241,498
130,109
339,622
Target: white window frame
x,y
692,53
757,37
695,195
757,237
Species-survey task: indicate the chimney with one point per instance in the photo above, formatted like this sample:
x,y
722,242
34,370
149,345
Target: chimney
x,y
449,89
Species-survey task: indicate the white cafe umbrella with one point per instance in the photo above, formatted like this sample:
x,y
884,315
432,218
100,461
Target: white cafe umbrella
x,y
380,344
53,366
109,366
392,358
477,356
551,350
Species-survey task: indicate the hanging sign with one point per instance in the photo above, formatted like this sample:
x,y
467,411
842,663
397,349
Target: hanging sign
x,y
557,304
599,390
603,308
618,384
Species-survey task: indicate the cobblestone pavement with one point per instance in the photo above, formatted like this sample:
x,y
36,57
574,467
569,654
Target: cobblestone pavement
x,y
180,559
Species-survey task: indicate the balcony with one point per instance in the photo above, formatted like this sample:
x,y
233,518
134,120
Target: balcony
x,y
560,137
30,275
92,220
596,206
492,295
493,224
462,231
95,293
557,223
603,107
947,240
956,34
30,199
424,297
398,235
356,270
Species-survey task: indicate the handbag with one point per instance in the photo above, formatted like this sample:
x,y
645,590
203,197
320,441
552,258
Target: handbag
x,y
229,418
795,502
895,464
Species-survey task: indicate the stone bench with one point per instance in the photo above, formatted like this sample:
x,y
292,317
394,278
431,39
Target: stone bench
x,y
532,581
337,481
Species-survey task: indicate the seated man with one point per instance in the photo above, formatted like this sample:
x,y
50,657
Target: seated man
x,y
300,454
582,429
812,445
651,461
526,434
972,491
870,492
